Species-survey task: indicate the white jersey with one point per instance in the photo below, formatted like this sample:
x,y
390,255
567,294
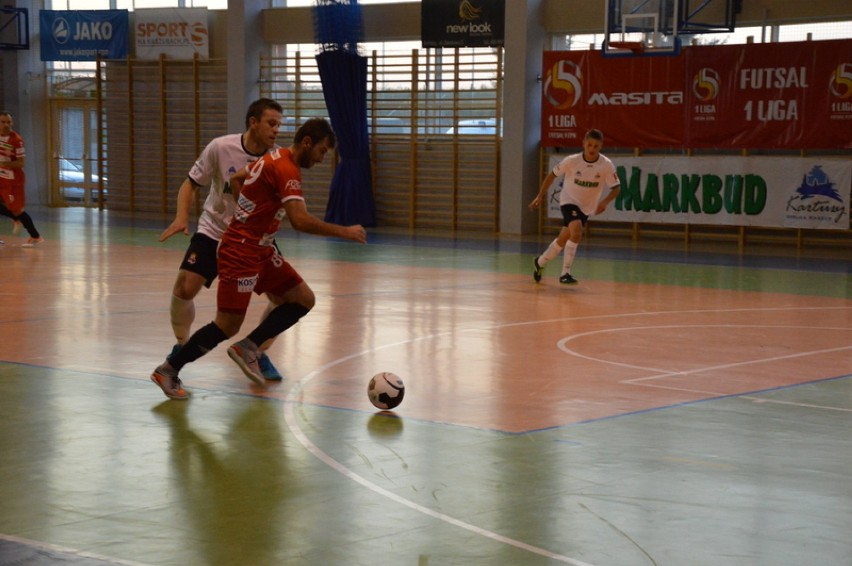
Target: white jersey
x,y
584,182
222,157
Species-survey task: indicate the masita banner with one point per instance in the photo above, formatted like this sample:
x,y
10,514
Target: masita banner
x,y
784,192
756,96
177,33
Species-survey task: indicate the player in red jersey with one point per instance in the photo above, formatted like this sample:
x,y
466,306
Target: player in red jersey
x,y
12,194
266,192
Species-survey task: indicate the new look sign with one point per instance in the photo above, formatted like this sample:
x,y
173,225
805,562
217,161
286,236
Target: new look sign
x,y
462,23
83,35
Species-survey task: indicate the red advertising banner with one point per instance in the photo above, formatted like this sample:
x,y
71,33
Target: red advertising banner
x,y
753,96
629,99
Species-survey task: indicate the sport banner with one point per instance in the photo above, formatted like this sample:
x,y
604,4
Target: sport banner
x,y
806,192
177,33
754,96
83,35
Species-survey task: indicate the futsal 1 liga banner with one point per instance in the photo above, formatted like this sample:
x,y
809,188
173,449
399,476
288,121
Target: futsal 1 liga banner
x,y
754,96
783,192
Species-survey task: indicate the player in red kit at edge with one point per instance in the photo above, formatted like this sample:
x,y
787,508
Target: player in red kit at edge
x,y
266,192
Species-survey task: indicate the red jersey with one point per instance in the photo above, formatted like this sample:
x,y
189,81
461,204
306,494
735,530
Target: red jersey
x,y
272,180
11,149
12,193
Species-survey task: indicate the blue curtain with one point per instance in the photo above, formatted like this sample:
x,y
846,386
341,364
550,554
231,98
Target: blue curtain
x,y
344,82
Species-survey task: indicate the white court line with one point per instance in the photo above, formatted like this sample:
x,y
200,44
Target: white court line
x,y
67,550
293,400
661,374
293,425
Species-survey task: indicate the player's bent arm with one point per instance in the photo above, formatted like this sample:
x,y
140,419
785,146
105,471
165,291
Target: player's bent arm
x,y
613,192
536,202
17,163
186,194
237,181
304,221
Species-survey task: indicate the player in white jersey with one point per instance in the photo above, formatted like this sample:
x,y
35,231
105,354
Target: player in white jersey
x,y
586,175
222,157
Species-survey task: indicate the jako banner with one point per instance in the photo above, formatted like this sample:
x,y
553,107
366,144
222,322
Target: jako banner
x,y
83,35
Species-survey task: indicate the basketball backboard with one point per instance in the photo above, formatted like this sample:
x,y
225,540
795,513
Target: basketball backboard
x,y
14,28
657,27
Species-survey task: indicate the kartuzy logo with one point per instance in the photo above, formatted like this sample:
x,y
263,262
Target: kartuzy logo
x,y
705,85
840,83
61,31
563,84
468,12
812,200
817,183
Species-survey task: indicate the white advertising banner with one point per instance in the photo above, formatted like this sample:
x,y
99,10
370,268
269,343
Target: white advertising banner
x,y
179,33
787,192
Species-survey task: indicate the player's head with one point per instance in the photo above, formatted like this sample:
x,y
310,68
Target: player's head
x,y
263,119
5,122
592,144
258,107
312,141
594,134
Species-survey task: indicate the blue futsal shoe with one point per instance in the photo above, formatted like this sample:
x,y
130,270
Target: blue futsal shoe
x,y
267,369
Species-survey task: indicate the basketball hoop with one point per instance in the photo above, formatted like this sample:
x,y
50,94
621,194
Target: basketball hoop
x,y
636,47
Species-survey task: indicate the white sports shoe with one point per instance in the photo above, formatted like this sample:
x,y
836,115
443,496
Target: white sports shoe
x,y
32,242
246,358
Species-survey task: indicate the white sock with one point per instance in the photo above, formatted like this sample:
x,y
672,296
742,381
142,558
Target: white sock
x,y
182,314
551,252
568,258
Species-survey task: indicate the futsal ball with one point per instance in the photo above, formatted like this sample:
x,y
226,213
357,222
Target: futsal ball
x,y
386,390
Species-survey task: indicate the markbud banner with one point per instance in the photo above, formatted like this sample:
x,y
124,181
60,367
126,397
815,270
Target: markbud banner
x,y
778,192
83,35
177,33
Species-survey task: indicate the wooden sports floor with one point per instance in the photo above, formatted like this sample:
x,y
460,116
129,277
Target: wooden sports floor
x,y
678,407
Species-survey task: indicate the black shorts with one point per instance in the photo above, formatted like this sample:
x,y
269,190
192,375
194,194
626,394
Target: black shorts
x,y
200,257
572,212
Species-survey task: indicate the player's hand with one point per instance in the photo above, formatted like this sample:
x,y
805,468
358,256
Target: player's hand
x,y
173,229
356,233
601,207
536,202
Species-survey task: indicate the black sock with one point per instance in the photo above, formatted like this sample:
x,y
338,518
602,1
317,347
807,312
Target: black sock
x,y
280,319
205,339
25,219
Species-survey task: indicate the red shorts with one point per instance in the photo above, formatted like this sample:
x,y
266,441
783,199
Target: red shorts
x,y
12,193
245,269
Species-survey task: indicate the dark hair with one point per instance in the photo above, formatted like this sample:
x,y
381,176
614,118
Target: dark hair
x,y
259,106
4,113
317,129
595,134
